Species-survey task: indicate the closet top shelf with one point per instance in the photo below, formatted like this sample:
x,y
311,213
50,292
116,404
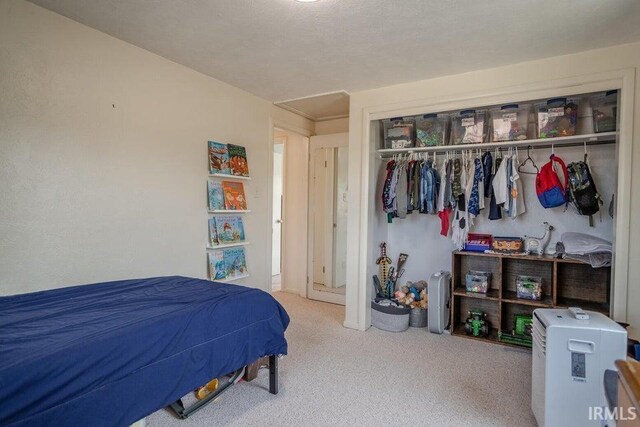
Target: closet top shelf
x,y
565,141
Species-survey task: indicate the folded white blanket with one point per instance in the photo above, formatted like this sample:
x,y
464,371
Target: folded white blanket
x,y
584,244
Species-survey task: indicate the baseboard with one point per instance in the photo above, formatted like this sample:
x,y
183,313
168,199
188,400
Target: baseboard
x,y
290,291
353,325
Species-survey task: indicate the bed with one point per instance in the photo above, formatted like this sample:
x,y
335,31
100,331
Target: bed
x,y
109,354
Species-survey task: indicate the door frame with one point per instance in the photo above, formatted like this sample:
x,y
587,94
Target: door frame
x,y
334,140
284,177
300,289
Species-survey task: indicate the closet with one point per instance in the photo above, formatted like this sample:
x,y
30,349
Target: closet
x,y
419,234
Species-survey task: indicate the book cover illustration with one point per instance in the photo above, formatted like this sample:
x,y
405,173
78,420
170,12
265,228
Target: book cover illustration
x,y
235,262
218,158
217,270
234,198
216,195
238,160
229,229
213,232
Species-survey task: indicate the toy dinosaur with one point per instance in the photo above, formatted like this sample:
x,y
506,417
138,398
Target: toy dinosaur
x,y
538,244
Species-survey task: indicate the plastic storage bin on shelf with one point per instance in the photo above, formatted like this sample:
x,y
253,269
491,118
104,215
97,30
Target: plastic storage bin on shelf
x,y
477,281
605,111
529,287
469,127
510,122
432,130
398,132
557,117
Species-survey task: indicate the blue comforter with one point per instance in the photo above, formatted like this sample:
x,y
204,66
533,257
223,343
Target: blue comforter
x,y
109,354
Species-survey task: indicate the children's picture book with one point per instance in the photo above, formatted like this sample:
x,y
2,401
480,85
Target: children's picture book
x,y
217,269
213,232
238,160
234,198
229,229
218,158
216,195
235,262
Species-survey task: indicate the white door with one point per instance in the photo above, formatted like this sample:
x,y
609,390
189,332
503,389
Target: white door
x,y
328,217
278,184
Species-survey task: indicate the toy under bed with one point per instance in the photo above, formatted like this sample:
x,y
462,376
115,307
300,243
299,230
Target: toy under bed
x,y
109,354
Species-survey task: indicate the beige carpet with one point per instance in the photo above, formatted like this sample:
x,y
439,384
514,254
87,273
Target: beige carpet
x,y
342,377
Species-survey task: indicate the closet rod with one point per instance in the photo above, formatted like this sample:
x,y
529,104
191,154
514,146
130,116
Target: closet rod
x,y
568,141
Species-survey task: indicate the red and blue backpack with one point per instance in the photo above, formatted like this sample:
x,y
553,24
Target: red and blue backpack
x,y
551,192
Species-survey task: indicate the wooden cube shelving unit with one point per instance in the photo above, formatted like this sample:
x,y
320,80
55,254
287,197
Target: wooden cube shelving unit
x,y
565,283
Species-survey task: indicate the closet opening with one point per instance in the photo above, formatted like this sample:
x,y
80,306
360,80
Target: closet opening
x,y
412,153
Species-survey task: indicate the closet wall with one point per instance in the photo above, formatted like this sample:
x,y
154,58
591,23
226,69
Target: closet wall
x,y
406,99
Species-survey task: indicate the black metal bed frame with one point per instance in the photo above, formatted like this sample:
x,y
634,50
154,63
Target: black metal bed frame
x,y
181,412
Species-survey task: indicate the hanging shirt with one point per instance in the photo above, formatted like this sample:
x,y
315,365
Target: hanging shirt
x,y
517,195
495,212
460,228
476,185
500,189
388,191
487,168
401,191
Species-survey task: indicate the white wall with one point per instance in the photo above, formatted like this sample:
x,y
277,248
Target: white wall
x,y
513,78
325,127
103,157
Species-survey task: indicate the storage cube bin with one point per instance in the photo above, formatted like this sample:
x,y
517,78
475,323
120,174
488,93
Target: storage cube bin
x,y
605,110
557,117
469,127
529,287
510,122
398,132
432,130
477,281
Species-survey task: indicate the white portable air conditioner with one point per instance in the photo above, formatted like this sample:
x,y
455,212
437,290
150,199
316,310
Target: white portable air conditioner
x,y
571,351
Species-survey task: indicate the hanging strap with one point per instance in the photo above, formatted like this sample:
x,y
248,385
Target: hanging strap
x,y
563,166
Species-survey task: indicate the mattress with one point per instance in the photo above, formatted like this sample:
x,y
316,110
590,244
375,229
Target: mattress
x,y
109,354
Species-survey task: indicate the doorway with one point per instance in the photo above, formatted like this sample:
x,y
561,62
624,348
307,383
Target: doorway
x,y
290,206
328,195
278,195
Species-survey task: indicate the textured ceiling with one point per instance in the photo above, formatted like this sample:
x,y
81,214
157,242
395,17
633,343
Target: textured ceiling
x,y
283,49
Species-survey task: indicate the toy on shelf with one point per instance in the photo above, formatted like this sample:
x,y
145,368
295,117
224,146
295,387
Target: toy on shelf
x,y
521,333
507,245
478,242
529,287
477,324
538,244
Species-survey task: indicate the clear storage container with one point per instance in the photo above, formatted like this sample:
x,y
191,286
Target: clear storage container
x,y
398,132
557,117
469,127
477,281
509,122
529,287
605,111
432,130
